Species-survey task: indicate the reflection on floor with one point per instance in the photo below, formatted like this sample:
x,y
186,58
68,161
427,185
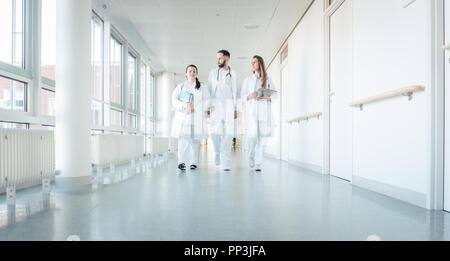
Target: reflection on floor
x,y
160,203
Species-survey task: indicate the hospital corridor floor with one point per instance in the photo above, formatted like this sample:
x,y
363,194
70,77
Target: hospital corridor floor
x,y
281,203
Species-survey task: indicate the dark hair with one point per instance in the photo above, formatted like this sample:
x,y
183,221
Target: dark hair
x,y
197,83
262,70
225,53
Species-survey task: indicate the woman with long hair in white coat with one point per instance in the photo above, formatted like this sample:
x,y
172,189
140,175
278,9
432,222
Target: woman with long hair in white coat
x,y
258,92
191,101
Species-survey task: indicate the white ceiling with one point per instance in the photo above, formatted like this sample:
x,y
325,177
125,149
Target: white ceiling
x,y
182,32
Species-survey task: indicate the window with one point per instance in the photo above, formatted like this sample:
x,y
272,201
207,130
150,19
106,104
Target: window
x,y
143,90
97,57
132,82
48,39
48,102
97,115
115,71
12,32
149,103
115,118
12,94
97,70
132,121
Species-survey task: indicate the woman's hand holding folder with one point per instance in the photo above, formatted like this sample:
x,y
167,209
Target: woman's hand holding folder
x,y
264,97
252,95
189,108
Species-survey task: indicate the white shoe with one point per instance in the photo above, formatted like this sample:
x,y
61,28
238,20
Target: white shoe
x,y
251,164
217,160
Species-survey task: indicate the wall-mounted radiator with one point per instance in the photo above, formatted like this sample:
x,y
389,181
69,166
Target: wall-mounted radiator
x,y
116,148
26,157
159,145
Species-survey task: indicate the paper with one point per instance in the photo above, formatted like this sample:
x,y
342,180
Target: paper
x,y
267,92
185,97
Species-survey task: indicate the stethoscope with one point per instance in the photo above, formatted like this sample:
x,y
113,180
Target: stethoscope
x,y
226,75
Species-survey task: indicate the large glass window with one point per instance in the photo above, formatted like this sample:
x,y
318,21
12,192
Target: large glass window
x,y
12,94
97,70
132,121
48,102
12,32
48,39
97,115
115,71
115,118
142,95
132,82
149,103
97,57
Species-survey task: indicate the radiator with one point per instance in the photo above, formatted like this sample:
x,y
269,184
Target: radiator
x,y
26,156
116,148
159,145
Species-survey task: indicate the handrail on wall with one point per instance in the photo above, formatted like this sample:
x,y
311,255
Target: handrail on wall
x,y
406,91
305,117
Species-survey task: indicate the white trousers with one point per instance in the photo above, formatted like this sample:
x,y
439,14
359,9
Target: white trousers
x,y
222,147
185,144
255,150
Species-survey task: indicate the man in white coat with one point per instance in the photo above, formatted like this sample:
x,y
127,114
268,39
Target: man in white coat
x,y
225,91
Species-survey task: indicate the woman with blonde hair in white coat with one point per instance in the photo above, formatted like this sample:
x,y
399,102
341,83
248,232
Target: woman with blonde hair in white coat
x,y
191,101
258,92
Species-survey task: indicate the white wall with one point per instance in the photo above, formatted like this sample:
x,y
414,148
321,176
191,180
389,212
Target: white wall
x,y
305,89
273,146
392,138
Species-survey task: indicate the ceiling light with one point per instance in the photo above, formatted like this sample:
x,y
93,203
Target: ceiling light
x,y
251,26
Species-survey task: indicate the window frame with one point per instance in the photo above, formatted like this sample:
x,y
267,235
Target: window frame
x,y
26,69
96,18
135,55
114,34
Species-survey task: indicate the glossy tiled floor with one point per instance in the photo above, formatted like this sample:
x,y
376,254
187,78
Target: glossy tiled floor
x,y
281,203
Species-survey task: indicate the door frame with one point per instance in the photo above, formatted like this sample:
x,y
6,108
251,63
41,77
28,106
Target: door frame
x,y
435,191
328,11
435,180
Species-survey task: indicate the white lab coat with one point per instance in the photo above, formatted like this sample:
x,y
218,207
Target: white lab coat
x,y
184,123
225,99
259,121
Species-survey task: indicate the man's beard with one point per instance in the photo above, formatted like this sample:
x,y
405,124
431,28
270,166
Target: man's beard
x,y
221,65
